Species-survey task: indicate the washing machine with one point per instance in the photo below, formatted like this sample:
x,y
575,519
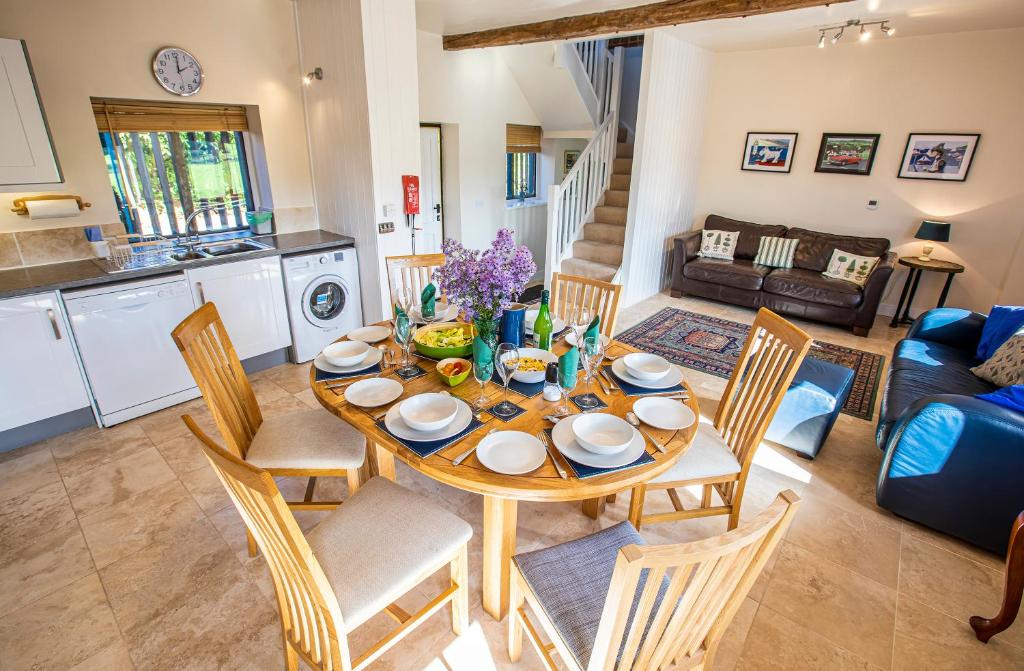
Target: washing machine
x,y
322,291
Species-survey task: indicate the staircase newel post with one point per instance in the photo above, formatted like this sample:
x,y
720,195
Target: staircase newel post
x,y
552,255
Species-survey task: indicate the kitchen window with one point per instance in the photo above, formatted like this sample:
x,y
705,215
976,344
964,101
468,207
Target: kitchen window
x,y
167,160
522,145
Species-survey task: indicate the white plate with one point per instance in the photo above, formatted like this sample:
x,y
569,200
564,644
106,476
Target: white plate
x,y
373,357
674,377
558,325
664,413
563,438
442,313
393,420
570,338
511,452
369,334
372,393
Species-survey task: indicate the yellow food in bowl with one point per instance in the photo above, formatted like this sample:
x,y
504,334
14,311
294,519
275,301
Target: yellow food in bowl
x,y
453,337
528,364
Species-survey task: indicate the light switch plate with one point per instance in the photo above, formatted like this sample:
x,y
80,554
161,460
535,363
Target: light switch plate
x,y
390,209
386,227
872,204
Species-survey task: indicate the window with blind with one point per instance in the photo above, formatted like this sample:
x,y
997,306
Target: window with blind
x,y
167,160
522,145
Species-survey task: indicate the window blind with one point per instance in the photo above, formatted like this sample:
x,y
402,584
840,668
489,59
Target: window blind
x,y
519,138
138,116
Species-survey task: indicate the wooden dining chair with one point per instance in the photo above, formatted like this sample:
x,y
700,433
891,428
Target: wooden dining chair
x,y
570,293
353,565
307,443
608,601
721,454
415,271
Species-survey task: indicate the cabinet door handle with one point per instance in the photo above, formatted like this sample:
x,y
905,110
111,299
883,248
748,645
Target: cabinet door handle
x,y
202,296
53,322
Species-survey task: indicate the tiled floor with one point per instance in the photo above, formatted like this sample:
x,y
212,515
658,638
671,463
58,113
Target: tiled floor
x,y
119,550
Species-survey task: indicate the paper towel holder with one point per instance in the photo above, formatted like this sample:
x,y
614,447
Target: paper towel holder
x,y
21,208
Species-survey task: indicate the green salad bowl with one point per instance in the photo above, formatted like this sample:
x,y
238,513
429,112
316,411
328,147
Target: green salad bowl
x,y
440,351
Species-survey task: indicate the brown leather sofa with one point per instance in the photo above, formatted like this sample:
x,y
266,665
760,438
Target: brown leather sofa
x,y
800,291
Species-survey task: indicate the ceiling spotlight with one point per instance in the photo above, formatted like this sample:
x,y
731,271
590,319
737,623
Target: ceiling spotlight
x,y
837,36
821,40
317,74
886,29
864,34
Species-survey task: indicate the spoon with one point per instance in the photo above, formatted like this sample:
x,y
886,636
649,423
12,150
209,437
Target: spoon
x,y
635,421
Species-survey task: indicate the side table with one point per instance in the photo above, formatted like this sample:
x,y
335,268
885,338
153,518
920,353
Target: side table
x,y
917,268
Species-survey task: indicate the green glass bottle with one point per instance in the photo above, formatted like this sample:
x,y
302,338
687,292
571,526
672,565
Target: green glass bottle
x,y
543,326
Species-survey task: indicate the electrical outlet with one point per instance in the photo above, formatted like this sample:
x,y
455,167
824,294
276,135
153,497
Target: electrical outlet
x,y
386,227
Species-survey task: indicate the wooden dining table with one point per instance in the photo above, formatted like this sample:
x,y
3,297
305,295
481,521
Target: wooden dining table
x,y
502,493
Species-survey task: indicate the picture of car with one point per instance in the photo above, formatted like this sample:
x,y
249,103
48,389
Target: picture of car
x,y
843,159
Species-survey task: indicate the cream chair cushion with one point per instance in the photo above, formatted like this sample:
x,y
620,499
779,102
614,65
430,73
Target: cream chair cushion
x,y
707,457
308,439
380,543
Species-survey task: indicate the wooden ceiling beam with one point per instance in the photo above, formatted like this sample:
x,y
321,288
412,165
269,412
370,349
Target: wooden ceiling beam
x,y
630,19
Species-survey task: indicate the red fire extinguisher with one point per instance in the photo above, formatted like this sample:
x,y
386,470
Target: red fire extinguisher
x,y
411,201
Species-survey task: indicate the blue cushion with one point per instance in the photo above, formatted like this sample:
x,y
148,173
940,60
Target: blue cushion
x,y
1008,397
1003,321
810,406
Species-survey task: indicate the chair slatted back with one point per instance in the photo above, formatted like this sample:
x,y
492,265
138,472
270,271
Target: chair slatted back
x,y
707,580
204,344
309,608
414,271
770,358
570,293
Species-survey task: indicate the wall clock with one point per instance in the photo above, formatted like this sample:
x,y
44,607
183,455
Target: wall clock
x,y
177,71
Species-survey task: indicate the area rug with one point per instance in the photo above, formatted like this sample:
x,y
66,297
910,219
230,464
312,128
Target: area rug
x,y
712,345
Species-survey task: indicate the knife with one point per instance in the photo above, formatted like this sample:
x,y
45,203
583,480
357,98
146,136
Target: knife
x,y
547,445
602,383
611,382
462,457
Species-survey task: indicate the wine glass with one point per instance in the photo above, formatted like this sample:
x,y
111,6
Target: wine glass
x,y
567,383
507,361
593,353
580,323
405,331
483,369
403,296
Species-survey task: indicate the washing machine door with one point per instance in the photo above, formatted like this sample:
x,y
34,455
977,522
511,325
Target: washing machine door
x,y
324,301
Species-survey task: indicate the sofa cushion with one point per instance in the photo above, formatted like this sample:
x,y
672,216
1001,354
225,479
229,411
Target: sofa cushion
x,y
925,355
741,274
813,287
815,249
750,233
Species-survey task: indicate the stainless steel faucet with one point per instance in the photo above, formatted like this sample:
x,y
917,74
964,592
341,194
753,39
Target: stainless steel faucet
x,y
191,230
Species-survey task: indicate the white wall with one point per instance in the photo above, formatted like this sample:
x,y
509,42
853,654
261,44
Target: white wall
x,y
547,85
105,47
629,96
967,82
670,127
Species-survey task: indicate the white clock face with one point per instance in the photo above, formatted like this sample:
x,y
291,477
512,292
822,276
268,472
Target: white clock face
x,y
177,71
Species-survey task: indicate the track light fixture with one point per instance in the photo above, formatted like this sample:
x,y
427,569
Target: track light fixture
x,y
316,74
864,34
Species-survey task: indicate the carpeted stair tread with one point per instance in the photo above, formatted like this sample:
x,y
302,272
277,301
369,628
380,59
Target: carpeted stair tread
x,y
598,252
608,214
584,268
622,166
616,197
607,233
621,182
624,150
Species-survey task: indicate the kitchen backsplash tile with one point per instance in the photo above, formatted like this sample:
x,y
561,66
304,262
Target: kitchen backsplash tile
x,y
9,255
53,245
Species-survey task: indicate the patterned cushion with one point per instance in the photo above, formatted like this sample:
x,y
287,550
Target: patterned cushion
x,y
571,582
1005,368
850,267
776,252
718,244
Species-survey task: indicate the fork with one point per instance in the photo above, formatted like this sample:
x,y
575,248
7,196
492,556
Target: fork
x,y
543,437
462,457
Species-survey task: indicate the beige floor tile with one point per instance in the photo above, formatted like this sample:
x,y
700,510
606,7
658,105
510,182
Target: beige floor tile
x,y
183,454
44,565
116,481
166,424
293,378
121,529
777,642
75,457
927,640
307,397
731,646
29,516
27,473
114,657
206,488
954,545
59,631
851,611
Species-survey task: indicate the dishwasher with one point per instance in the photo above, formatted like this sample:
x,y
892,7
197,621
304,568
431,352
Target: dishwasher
x,y
123,332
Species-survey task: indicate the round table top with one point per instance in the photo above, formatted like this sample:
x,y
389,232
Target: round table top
x,y
936,265
544,484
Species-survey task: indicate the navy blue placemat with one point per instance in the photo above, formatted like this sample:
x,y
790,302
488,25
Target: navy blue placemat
x,y
505,418
601,405
583,471
414,372
322,375
634,390
425,448
521,388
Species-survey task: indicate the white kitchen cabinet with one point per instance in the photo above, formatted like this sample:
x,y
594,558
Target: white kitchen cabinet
x,y
26,153
250,299
39,375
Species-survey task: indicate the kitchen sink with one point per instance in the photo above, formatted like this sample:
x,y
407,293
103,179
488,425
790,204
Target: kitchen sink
x,y
164,256
228,247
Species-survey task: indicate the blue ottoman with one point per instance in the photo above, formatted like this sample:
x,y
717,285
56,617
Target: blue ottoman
x,y
810,407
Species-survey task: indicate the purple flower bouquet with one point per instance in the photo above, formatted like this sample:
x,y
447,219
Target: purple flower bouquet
x,y
484,284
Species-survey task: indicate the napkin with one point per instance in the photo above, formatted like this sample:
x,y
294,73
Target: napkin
x,y
592,330
568,368
427,300
483,355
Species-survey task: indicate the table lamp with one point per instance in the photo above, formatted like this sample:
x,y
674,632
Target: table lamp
x,y
935,231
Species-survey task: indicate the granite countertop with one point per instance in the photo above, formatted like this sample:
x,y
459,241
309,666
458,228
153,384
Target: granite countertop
x,y
85,273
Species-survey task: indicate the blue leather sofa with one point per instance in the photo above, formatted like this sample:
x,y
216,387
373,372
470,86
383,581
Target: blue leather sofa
x,y
952,462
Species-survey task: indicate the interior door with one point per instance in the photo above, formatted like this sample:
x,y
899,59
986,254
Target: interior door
x,y
430,222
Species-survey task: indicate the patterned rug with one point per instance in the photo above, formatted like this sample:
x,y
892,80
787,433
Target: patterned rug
x,y
712,345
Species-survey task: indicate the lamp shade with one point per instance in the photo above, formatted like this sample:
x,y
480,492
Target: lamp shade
x,y
937,231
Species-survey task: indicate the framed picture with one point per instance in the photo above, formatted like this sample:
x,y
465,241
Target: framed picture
x,y
941,156
569,158
847,153
769,152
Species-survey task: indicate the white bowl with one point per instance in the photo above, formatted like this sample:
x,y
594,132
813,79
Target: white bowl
x,y
346,352
428,412
532,377
645,366
602,434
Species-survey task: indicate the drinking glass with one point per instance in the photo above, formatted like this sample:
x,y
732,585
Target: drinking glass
x,y
507,361
404,298
483,369
405,331
592,352
567,386
580,323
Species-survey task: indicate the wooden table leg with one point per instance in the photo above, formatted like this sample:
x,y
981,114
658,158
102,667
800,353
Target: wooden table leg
x,y
985,628
382,462
499,546
593,508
